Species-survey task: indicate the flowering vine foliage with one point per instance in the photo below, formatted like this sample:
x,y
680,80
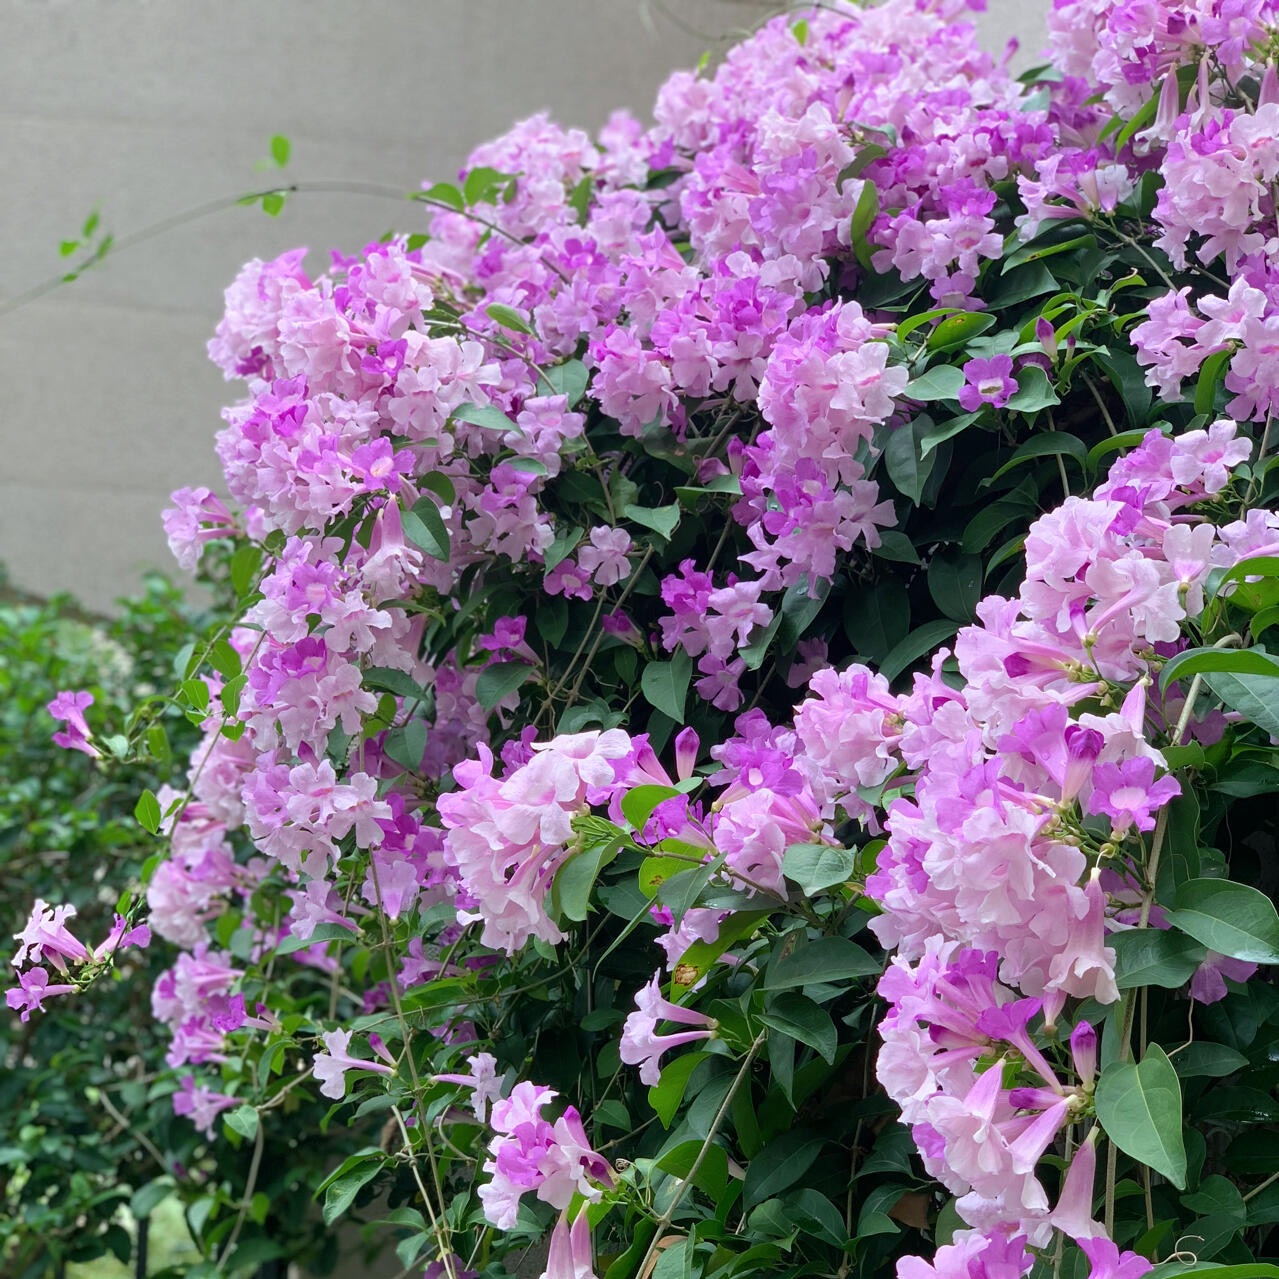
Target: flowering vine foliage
x,y
748,741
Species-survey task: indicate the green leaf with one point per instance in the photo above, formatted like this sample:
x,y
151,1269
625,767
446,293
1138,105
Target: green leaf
x,y
243,568
1213,1061
280,149
817,1216
1139,1107
932,436
1154,957
817,866
1255,697
1211,373
780,1164
508,317
387,679
440,484
488,416
826,959
954,582
566,539
1035,392
1051,443
243,1119
864,215
665,684
499,679
147,812
569,379
957,329
681,890
1035,252
941,382
638,804
1200,661
907,467
712,1171
424,527
576,878
920,641
665,1096
803,1019
1263,566
444,193
661,519
1232,919
325,932
341,1193
896,546
273,203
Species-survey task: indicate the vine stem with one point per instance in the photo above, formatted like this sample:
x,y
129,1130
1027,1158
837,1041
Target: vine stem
x,y
249,1186
442,1239
664,1220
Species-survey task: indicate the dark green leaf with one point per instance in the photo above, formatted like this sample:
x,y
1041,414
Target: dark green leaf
x,y
498,680
1154,957
907,469
341,1193
1051,443
954,581
324,932
920,641
864,215
1211,372
826,959
802,1019
388,680
1232,919
780,1164
665,684
1213,1061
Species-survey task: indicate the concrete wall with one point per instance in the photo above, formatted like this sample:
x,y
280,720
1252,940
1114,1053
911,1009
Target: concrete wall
x,y
145,108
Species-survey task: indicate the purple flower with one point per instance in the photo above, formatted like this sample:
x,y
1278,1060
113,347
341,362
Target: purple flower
x,y
987,382
1128,793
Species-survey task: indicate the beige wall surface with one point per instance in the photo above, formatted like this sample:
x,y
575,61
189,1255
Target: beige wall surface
x,y
146,108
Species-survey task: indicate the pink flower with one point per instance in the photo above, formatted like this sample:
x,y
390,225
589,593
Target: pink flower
x,y
528,1153
45,936
641,1046
330,1067
987,382
604,557
570,1254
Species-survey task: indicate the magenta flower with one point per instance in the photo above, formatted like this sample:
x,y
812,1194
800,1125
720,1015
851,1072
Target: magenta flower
x,y
33,988
200,1104
1129,795
987,382
1109,1263
71,706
